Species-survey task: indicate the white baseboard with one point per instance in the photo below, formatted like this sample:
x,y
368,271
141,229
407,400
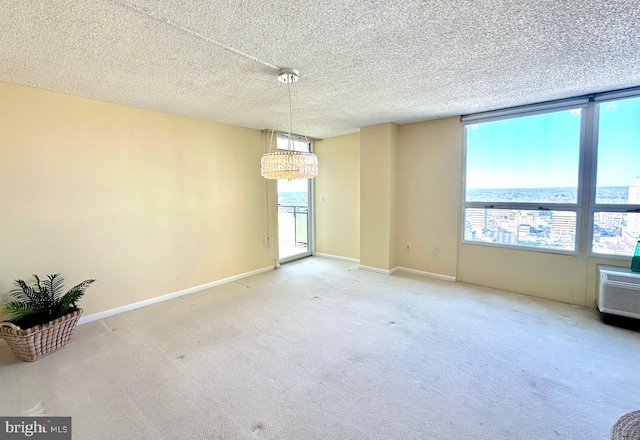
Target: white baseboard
x,y
336,257
377,270
157,299
426,274
407,270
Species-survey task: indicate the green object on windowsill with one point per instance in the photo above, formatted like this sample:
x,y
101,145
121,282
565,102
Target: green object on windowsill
x,y
635,260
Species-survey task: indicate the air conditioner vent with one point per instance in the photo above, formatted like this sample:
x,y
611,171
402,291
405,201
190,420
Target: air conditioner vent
x,y
621,278
619,291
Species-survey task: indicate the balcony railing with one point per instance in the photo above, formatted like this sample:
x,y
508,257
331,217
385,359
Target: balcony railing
x,y
293,230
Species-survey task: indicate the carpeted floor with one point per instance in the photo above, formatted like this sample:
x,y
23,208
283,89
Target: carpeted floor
x,y
322,350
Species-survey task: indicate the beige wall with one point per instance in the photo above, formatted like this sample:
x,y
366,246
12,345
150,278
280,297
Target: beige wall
x,y
337,196
150,203
393,195
429,199
567,278
545,275
429,195
145,202
378,168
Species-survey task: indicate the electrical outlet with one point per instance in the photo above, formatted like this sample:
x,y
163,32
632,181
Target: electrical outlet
x,y
436,250
407,247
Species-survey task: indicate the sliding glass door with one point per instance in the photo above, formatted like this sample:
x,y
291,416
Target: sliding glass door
x,y
295,228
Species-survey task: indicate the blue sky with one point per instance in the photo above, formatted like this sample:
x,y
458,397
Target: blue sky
x,y
542,151
619,143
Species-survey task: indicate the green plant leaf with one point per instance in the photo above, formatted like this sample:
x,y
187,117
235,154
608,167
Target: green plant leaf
x,y
43,301
73,295
18,310
54,284
29,294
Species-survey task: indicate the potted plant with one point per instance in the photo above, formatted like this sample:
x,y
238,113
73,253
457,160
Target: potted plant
x,y
41,319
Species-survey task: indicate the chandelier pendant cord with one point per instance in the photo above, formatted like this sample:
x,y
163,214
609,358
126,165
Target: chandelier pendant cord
x,y
290,143
267,197
272,131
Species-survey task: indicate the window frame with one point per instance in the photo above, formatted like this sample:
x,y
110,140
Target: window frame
x,y
592,205
311,188
294,138
585,206
577,207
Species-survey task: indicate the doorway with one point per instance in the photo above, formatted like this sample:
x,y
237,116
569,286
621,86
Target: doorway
x,y
295,219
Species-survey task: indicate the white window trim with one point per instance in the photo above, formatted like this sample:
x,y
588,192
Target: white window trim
x,y
311,227
592,206
586,206
527,206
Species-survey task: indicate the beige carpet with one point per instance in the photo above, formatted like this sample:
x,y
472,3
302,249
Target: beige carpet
x,y
321,350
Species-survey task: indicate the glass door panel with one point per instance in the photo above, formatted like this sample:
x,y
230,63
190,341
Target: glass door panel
x,y
293,219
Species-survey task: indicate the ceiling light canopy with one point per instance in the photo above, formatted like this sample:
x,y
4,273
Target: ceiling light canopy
x,y
288,76
289,164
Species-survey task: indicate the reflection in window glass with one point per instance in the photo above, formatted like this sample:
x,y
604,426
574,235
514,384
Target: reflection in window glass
x,y
618,152
538,229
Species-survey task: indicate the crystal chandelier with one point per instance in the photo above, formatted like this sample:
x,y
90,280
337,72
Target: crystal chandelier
x,y
289,164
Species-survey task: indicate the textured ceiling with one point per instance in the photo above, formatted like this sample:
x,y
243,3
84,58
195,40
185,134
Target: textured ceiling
x,y
361,62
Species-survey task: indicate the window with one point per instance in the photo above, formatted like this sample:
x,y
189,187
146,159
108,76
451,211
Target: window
x,y
295,144
616,226
533,176
522,180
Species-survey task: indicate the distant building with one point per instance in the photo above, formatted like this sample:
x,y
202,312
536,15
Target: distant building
x,y
634,192
468,230
478,219
499,215
563,223
633,220
533,217
524,232
506,237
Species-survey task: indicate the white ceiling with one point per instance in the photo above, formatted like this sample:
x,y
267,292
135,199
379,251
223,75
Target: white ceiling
x,y
361,62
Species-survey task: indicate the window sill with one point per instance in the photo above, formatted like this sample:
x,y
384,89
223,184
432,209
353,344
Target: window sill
x,y
523,248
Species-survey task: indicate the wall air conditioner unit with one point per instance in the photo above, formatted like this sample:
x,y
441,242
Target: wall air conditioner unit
x,y
618,292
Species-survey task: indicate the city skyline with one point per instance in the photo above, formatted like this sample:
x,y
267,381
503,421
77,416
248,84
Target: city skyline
x,y
614,233
604,195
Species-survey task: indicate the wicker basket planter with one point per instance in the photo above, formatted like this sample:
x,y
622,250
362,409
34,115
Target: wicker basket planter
x,y
35,342
627,428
